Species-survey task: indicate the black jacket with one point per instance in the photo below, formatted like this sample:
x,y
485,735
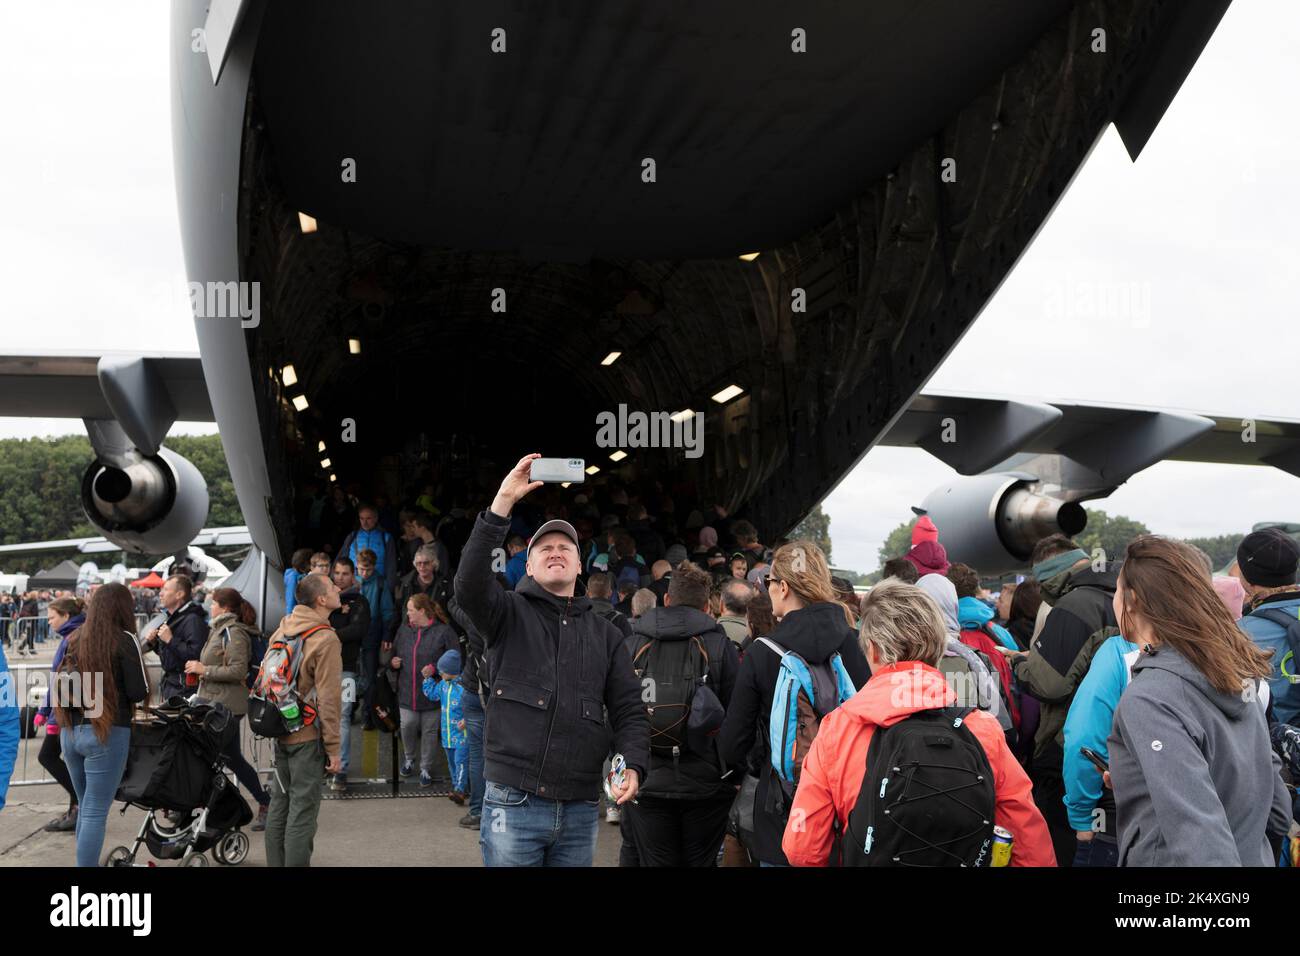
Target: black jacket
x,y
555,668
439,590
473,673
352,626
693,777
612,614
189,627
814,633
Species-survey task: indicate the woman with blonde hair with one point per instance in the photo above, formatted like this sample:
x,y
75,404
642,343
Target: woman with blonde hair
x,y
903,637
812,623
1196,781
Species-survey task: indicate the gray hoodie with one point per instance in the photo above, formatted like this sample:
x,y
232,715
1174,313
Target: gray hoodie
x,y
1196,781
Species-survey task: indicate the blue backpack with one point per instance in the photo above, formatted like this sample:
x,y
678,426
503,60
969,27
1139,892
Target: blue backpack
x,y
804,694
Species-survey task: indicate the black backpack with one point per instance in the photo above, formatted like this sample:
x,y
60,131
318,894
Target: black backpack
x,y
683,711
927,796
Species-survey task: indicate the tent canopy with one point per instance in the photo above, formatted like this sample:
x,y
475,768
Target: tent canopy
x,y
63,576
150,580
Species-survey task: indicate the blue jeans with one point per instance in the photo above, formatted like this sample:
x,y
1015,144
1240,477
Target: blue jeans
x,y
522,829
456,766
1096,852
472,710
345,720
96,770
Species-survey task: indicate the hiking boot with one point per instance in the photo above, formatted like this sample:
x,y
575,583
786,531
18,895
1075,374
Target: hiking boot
x,y
407,768
457,797
64,824
260,823
425,779
614,815
469,822
339,783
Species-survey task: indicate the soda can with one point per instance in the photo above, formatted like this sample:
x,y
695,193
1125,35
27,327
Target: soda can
x,y
1002,843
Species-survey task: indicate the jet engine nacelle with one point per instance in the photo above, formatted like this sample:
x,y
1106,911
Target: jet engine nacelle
x,y
992,522
148,504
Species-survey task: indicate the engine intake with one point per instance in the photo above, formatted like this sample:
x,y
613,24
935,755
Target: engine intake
x,y
148,504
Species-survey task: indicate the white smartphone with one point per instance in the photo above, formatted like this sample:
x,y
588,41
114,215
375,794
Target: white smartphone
x,y
555,470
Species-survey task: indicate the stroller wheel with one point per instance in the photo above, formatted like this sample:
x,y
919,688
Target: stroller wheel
x,y
232,849
119,856
195,859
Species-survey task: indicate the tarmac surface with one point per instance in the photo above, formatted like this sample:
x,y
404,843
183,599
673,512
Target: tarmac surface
x,y
367,827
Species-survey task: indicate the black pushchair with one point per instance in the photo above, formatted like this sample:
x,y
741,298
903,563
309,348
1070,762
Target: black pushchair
x,y
176,772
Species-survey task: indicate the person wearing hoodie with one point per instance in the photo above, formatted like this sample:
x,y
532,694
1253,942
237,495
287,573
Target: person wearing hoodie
x,y
66,615
444,686
1082,617
414,654
180,638
813,625
562,689
969,661
1267,564
903,636
222,669
351,622
974,614
303,757
680,815
383,614
927,554
372,537
1195,777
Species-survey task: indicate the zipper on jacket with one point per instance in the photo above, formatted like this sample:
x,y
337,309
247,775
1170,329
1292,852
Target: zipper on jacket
x,y
415,656
555,694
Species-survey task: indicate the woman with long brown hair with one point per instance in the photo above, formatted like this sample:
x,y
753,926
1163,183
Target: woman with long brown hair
x,y
222,669
813,623
1196,781
102,677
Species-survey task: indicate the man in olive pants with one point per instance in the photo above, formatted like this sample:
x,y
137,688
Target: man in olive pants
x,y
303,757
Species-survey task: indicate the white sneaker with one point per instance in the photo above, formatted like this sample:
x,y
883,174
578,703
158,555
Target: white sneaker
x,y
614,815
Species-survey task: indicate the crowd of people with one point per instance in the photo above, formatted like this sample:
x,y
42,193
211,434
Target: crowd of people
x,y
735,703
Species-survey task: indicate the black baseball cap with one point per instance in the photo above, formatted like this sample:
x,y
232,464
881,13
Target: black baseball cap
x,y
1268,558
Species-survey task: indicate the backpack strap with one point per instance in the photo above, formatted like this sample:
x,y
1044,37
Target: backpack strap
x,y
773,646
1291,626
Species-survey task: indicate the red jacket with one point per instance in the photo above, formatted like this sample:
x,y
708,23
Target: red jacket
x,y
980,641
834,767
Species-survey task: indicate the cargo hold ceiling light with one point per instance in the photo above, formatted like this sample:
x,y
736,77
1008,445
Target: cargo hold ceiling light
x,y
749,256
334,477
288,376
611,358
324,462
300,402
306,223
592,469
618,455
681,416
727,394
354,346
565,484
320,446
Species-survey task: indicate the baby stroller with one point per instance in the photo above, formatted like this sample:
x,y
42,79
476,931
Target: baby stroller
x,y
176,772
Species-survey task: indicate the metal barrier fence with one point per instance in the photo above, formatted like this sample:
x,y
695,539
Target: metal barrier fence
x,y
31,683
19,632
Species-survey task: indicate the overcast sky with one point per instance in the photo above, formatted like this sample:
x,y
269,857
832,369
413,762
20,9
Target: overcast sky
x,y
1188,256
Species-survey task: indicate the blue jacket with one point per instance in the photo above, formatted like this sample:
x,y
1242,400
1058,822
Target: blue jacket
x,y
1271,636
382,612
450,693
68,627
379,541
973,614
1088,724
517,567
291,577
9,726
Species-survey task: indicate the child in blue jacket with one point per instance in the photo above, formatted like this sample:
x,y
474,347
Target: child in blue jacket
x,y
455,741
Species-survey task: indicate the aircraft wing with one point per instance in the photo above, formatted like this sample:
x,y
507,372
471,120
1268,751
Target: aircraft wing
x,y
976,433
207,538
67,384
